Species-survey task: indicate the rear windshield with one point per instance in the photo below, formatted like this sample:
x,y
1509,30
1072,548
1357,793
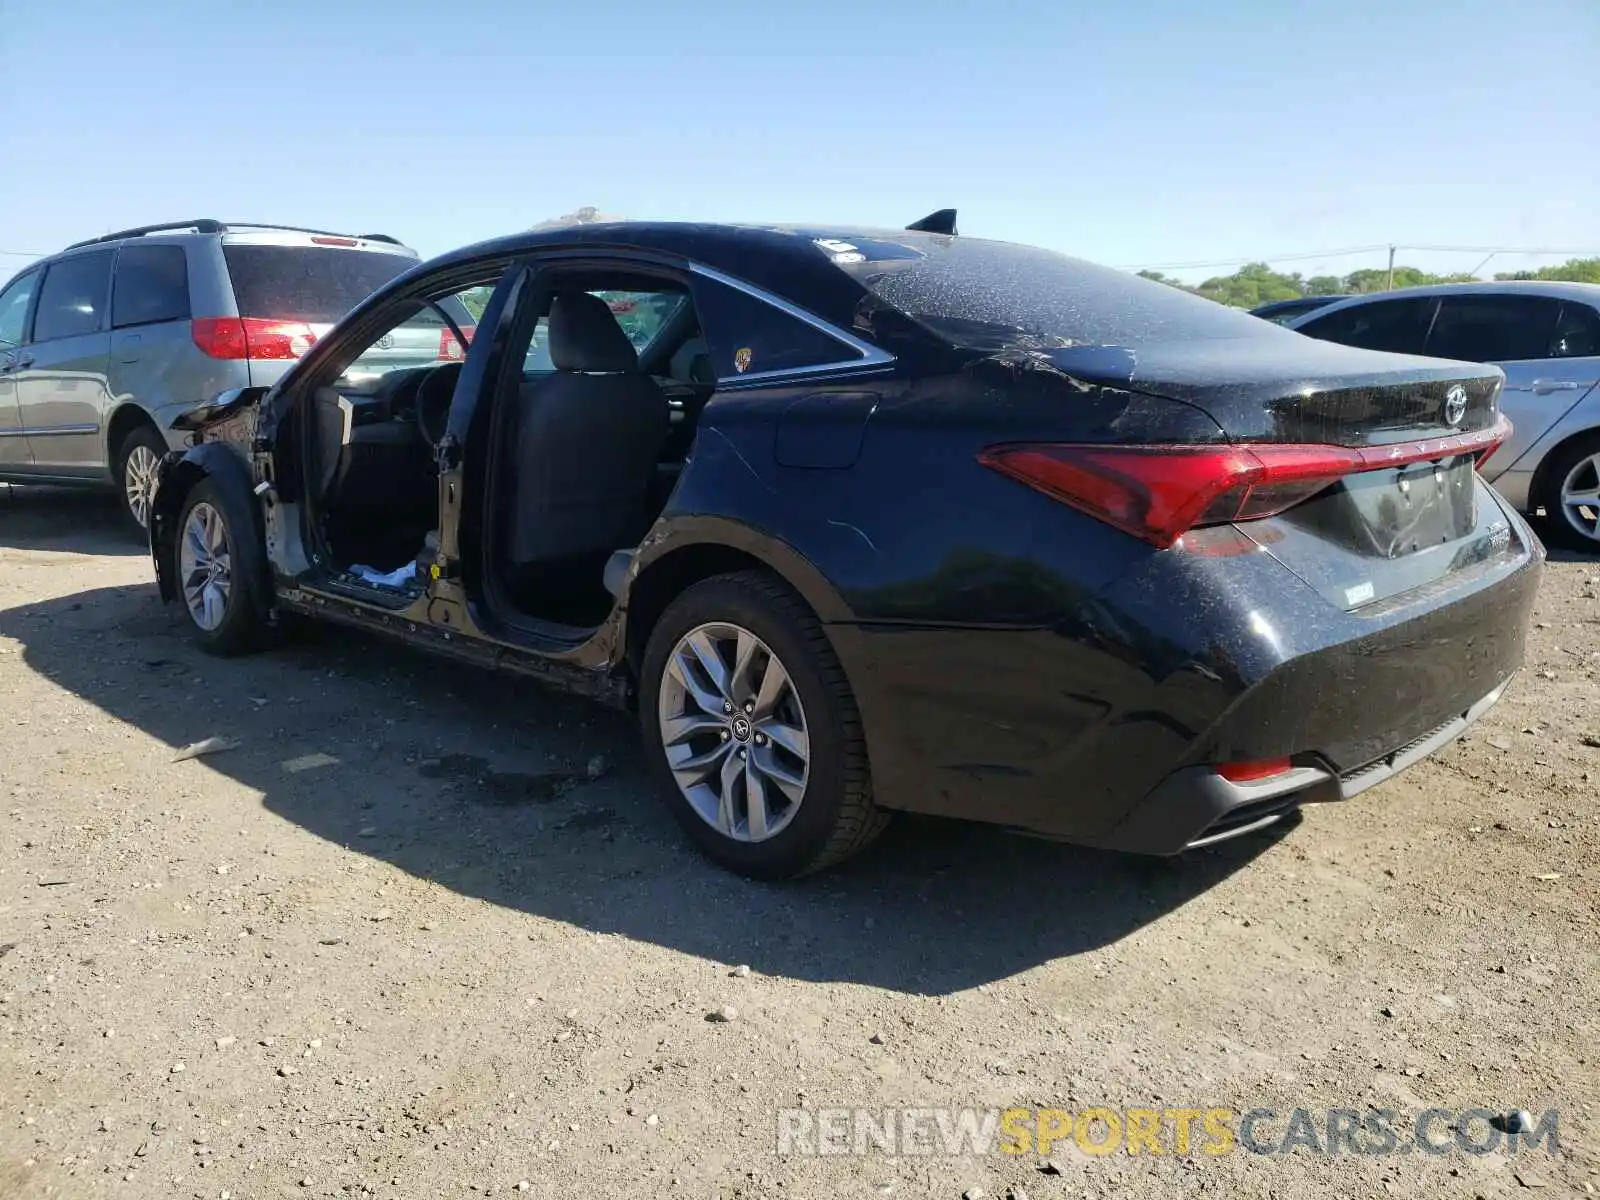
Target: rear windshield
x,y
998,295
307,283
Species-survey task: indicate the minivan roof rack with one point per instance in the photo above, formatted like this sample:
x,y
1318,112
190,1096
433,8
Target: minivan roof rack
x,y
365,237
208,225
200,225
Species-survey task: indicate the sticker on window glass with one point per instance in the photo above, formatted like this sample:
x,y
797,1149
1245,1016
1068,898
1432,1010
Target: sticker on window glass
x,y
741,359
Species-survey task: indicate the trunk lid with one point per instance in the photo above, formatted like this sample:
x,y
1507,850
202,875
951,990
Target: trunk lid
x,y
1281,386
1375,534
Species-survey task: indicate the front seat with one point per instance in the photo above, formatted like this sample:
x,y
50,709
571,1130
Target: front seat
x,y
587,440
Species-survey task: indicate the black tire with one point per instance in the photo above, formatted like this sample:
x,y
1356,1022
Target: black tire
x,y
141,437
243,626
1552,475
836,817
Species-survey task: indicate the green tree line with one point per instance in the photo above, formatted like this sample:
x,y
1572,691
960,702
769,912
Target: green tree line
x,y
1257,283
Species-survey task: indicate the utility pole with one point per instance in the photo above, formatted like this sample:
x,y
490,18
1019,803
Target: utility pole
x,y
1389,287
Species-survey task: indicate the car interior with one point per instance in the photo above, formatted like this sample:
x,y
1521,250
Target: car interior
x,y
586,446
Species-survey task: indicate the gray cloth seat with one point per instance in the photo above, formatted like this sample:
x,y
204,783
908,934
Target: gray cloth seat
x,y
587,441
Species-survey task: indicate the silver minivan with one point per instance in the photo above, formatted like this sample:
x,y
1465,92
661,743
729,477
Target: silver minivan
x,y
1545,336
105,343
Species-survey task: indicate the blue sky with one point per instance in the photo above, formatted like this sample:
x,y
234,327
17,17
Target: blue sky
x,y
1132,132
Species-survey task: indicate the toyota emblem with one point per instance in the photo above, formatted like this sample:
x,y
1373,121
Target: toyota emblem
x,y
1455,404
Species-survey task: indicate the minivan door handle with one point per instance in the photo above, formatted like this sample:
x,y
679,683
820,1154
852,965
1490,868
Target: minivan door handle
x,y
20,361
1543,387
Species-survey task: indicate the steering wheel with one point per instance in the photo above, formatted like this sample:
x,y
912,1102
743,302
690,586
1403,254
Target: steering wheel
x,y
434,394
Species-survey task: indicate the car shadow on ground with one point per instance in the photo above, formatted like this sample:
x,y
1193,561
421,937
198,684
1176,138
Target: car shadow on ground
x,y
68,520
482,784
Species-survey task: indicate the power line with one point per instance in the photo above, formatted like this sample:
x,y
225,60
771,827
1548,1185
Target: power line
x,y
1353,250
1504,250
23,253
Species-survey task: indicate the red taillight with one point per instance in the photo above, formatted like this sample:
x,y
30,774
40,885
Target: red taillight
x,y
251,337
1159,493
450,349
1254,772
335,241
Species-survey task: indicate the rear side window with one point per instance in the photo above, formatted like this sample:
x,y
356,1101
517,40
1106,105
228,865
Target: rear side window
x,y
152,285
1493,328
72,300
1399,326
14,309
317,284
747,336
1577,332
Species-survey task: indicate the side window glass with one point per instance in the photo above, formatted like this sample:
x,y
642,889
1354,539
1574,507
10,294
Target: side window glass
x,y
14,309
152,285
72,299
1334,327
422,337
1493,328
748,336
641,315
1577,332
1398,326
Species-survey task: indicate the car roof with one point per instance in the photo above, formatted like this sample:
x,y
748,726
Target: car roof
x,y
1554,289
785,260
1299,302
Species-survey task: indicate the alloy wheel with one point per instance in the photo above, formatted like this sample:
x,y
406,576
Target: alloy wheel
x,y
734,732
139,482
1580,497
205,566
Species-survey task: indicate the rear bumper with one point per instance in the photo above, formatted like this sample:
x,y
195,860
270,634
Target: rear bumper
x,y
1195,807
1101,728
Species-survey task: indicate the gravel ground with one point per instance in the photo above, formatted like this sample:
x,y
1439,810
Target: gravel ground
x,y
422,932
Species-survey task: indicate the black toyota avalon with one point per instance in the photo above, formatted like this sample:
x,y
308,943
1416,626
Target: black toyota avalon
x,y
890,520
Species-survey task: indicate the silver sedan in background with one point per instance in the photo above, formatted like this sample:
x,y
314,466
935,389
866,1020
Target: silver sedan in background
x,y
1546,338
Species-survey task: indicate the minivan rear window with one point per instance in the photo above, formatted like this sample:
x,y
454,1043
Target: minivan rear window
x,y
998,295
307,283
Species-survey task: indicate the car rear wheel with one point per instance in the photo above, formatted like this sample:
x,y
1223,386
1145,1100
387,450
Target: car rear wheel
x,y
137,460
1572,494
214,573
752,728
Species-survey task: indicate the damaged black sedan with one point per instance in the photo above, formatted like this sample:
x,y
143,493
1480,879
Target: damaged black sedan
x,y
864,521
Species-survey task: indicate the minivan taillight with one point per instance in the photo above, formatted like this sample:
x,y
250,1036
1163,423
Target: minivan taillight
x,y
1159,493
450,347
251,337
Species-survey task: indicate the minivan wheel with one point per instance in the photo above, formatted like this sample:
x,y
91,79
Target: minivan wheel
x,y
137,461
752,729
1571,494
214,574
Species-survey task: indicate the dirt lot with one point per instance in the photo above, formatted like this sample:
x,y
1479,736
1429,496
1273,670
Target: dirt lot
x,y
398,943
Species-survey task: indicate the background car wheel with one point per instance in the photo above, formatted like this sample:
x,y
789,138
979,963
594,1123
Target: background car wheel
x,y
137,460
750,723
1571,494
216,565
